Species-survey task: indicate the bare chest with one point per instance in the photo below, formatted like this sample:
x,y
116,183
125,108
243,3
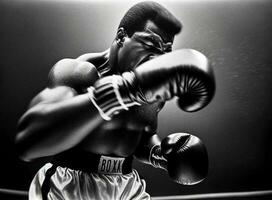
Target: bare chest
x,y
121,135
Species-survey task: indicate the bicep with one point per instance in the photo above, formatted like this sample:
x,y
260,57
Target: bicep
x,y
46,96
50,95
67,79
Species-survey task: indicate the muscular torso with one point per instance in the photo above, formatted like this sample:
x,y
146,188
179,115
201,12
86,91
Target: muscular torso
x,y
121,135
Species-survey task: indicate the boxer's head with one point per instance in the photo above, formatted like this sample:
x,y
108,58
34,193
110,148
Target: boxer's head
x,y
146,30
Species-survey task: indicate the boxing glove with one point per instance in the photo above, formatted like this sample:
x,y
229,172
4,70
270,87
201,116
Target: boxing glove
x,y
183,73
184,156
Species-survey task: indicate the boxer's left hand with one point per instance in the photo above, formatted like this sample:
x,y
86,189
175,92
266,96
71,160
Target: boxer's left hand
x,y
184,156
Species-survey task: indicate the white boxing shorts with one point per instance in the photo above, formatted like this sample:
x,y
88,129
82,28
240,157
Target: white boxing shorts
x,y
54,182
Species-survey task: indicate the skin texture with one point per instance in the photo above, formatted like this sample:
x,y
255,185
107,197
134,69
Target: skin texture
x,y
128,129
135,51
62,117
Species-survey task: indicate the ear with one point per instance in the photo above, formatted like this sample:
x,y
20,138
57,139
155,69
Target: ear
x,y
120,36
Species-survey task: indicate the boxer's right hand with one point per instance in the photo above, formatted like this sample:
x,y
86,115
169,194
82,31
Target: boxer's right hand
x,y
183,73
184,156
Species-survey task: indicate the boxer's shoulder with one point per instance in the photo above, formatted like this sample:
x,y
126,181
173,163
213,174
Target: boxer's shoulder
x,y
95,58
77,74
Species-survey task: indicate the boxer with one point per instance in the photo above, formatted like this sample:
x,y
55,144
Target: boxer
x,y
100,111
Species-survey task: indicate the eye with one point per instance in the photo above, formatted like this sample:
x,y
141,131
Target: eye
x,y
149,43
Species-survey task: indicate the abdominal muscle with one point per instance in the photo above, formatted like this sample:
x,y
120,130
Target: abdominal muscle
x,y
121,136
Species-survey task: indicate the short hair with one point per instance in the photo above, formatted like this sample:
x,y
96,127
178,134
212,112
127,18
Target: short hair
x,y
137,16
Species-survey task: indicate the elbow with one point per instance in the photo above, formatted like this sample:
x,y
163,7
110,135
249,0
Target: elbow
x,y
24,156
27,136
22,148
26,148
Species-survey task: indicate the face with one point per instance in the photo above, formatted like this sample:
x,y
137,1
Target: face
x,y
142,46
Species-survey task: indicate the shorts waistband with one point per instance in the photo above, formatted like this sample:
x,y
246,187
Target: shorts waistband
x,y
94,163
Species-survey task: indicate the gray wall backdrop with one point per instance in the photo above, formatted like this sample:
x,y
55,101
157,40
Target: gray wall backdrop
x,y
234,35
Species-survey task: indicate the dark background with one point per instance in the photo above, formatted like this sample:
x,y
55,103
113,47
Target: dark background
x,y
234,35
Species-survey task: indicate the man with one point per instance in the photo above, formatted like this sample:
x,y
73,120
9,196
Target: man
x,y
100,110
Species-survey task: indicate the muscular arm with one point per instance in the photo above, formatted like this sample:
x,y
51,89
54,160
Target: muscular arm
x,y
144,148
61,115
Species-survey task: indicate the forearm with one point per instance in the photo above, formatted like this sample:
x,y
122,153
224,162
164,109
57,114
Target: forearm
x,y
50,128
147,145
56,124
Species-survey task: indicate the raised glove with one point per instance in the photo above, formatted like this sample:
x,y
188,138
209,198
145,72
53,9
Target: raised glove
x,y
183,73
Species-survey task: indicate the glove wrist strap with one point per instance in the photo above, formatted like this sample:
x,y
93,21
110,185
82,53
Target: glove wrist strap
x,y
156,158
108,99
